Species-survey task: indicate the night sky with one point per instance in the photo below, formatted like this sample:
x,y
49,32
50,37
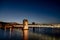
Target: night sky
x,y
39,11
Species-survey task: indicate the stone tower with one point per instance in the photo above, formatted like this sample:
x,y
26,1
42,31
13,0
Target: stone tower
x,y
25,24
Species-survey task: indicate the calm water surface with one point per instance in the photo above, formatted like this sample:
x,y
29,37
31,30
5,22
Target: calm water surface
x,y
36,34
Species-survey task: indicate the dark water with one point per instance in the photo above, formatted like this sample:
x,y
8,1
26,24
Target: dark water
x,y
31,34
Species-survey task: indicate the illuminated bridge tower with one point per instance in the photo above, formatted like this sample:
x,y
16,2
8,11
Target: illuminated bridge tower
x,y
25,24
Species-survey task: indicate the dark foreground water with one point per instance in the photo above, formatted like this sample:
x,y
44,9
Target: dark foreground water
x,y
31,34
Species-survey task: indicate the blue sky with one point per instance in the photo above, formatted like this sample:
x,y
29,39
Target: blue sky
x,y
39,11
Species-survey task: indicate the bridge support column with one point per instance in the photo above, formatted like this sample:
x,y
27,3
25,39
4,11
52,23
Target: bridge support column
x,y
25,24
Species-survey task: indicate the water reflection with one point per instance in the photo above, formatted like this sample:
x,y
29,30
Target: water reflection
x,y
10,32
25,34
18,34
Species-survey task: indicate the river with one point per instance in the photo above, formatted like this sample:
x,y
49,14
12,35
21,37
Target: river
x,y
37,34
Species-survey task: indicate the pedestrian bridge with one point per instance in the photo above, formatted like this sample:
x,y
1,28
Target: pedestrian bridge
x,y
52,26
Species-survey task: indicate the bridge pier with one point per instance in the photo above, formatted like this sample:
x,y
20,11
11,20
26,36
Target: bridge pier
x,y
25,24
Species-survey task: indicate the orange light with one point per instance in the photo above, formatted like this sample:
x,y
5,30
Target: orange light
x,y
25,34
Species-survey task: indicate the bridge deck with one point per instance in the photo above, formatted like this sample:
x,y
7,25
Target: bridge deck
x,y
52,26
